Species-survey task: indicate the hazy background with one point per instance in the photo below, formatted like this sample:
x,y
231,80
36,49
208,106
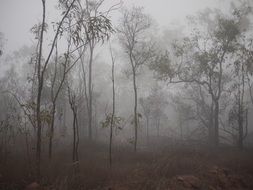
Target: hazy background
x,y
18,16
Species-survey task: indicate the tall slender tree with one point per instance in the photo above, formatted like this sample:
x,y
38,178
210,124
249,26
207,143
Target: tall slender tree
x,y
113,105
94,26
41,69
134,25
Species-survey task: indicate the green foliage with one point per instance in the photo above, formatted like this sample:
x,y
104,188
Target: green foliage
x,y
99,28
139,116
117,121
30,108
228,30
30,105
234,113
163,67
36,29
46,116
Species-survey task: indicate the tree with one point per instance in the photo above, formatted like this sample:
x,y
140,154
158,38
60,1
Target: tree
x,y
239,111
184,111
61,68
10,112
145,103
41,69
112,120
133,26
94,26
202,57
158,103
113,106
73,102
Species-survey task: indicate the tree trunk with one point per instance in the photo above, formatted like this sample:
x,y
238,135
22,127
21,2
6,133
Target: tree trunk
x,y
74,137
135,112
90,92
147,118
211,127
77,138
64,119
113,110
95,134
216,124
85,91
241,110
181,127
50,146
240,125
75,129
158,127
38,103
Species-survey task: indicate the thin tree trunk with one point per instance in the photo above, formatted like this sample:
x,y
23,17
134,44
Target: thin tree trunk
x,y
181,127
147,118
54,97
38,103
51,133
135,101
90,91
72,103
158,127
40,75
85,87
135,113
216,124
211,127
27,145
241,111
240,124
74,137
113,109
95,135
64,118
217,98
77,138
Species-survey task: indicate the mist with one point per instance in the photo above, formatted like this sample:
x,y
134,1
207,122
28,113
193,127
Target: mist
x,y
107,94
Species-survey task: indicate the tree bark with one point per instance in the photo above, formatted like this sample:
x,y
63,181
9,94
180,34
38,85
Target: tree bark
x,y
51,133
181,126
113,110
135,111
74,137
40,86
211,126
158,127
147,118
73,106
216,124
241,110
240,124
90,93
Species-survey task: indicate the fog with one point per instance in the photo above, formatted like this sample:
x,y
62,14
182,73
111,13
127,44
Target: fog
x,y
106,94
17,17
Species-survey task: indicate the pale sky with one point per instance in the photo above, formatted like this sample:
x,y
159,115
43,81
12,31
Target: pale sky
x,y
18,16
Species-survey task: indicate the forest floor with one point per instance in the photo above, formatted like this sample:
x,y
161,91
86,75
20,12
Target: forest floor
x,y
174,167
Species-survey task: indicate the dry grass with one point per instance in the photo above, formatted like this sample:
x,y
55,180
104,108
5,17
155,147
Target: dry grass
x,y
154,168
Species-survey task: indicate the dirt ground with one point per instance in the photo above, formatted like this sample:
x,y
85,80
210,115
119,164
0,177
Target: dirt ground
x,y
161,167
